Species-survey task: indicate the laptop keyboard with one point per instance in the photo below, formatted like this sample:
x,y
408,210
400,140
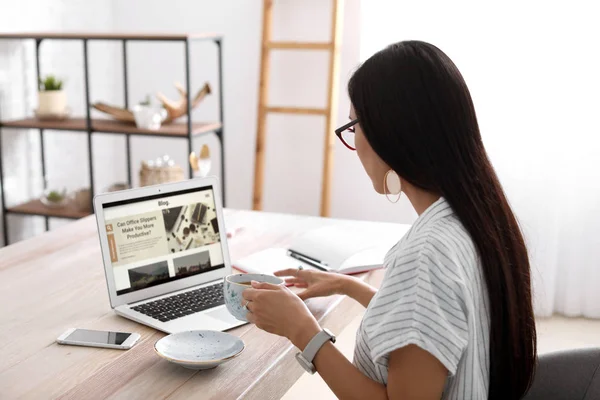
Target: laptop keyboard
x,y
170,308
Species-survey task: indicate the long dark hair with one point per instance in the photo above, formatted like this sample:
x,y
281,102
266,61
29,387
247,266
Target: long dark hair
x,y
416,112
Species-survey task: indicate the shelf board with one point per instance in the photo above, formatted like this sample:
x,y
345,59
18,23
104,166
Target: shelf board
x,y
177,129
36,207
110,35
71,124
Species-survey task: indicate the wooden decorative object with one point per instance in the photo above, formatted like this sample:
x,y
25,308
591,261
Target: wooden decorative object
x,y
201,165
120,114
175,109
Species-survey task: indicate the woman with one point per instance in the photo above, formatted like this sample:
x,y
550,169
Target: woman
x,y
453,318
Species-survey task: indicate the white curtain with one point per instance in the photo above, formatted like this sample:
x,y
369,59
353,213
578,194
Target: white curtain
x,y
533,68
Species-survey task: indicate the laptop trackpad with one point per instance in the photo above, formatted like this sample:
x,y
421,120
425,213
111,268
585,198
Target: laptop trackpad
x,y
222,314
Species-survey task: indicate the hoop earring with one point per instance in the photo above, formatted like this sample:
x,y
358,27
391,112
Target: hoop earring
x,y
392,180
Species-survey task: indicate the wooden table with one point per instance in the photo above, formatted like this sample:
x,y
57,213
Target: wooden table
x,y
56,281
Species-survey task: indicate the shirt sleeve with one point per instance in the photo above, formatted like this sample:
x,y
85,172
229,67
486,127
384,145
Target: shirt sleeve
x,y
420,303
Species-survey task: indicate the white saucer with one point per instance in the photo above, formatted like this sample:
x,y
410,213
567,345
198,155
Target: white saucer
x,y
199,349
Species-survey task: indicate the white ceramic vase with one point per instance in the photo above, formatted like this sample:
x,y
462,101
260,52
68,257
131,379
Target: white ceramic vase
x,y
52,102
148,117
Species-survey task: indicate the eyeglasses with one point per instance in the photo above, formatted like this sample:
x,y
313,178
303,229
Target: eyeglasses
x,y
346,134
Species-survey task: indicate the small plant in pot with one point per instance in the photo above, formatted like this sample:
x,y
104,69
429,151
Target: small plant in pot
x,y
52,99
55,198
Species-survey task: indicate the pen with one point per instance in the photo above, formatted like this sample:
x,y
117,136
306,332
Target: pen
x,y
308,257
309,261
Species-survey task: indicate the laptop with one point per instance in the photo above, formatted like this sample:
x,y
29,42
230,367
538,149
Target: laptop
x,y
165,255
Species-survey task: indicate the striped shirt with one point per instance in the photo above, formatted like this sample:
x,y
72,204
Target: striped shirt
x,y
433,296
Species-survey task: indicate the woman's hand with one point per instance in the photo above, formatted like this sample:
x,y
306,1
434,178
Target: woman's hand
x,y
275,309
319,284
316,283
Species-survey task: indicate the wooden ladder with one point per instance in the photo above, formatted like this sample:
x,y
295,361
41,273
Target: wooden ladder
x,y
332,47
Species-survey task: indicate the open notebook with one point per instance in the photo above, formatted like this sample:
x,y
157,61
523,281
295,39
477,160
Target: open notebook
x,y
343,249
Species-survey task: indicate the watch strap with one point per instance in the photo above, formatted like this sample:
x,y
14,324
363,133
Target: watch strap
x,y
315,344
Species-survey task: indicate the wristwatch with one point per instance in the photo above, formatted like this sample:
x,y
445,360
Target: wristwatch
x,y
306,357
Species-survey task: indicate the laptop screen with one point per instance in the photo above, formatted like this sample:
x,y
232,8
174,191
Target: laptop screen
x,y
162,238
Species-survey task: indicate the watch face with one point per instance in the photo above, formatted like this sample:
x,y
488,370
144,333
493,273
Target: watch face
x,y
307,365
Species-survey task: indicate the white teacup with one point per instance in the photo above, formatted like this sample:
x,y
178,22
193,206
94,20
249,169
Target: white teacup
x,y
234,285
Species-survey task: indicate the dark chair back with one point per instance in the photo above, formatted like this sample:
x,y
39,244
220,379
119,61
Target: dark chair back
x,y
567,375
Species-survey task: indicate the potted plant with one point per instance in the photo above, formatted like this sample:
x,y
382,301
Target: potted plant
x,y
55,198
52,98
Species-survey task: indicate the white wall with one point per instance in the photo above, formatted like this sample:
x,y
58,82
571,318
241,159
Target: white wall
x,y
294,143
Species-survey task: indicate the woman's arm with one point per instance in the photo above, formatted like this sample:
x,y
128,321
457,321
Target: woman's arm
x,y
413,372
343,378
357,289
